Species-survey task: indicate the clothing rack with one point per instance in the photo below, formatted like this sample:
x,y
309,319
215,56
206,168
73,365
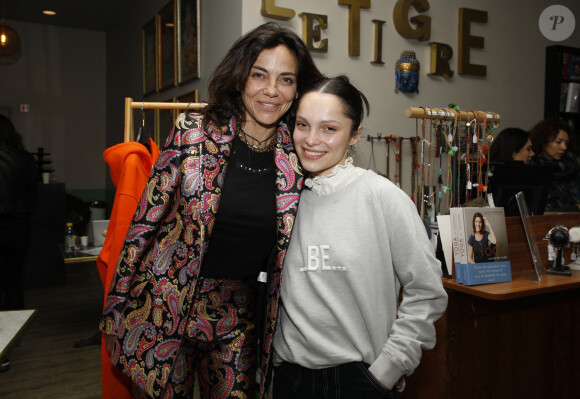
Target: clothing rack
x,y
451,114
130,105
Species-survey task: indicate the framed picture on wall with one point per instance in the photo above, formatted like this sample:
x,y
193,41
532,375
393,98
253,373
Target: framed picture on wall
x,y
166,42
149,40
188,55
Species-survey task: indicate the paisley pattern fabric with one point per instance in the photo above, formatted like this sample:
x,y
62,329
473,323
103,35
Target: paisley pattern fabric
x,y
221,344
157,271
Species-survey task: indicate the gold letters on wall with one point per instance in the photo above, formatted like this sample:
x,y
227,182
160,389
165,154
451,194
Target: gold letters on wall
x,y
378,42
466,41
401,19
354,23
270,10
310,33
441,53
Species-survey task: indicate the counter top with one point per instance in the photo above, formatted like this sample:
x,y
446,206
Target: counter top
x,y
521,286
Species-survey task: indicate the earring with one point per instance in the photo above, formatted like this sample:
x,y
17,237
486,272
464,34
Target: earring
x,y
351,151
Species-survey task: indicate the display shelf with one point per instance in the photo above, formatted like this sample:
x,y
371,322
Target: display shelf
x,y
524,281
561,75
519,287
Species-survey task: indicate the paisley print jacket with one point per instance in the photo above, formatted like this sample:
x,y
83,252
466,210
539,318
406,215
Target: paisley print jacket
x,y
156,275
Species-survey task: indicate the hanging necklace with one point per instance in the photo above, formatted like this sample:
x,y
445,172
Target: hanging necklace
x,y
478,155
470,145
398,142
261,146
415,165
430,191
421,193
458,178
449,138
440,176
388,156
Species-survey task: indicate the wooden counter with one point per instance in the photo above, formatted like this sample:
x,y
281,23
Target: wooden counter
x,y
519,339
517,288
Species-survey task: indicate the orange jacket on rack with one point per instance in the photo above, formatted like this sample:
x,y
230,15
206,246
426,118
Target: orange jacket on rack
x,y
130,165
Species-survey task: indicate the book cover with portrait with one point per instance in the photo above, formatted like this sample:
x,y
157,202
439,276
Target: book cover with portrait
x,y
482,253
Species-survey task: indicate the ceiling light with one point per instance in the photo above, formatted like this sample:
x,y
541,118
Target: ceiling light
x,y
49,12
9,42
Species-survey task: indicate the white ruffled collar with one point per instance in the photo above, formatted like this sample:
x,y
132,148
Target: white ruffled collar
x,y
339,177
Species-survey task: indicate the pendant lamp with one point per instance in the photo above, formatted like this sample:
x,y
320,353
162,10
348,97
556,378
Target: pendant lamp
x,y
9,42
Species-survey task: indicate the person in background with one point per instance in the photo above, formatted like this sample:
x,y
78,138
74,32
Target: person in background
x,y
511,144
18,180
215,216
551,142
356,242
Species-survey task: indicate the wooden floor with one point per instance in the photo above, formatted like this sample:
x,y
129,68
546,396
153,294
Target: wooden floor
x,y
46,365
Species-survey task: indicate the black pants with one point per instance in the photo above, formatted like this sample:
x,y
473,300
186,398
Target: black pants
x,y
347,381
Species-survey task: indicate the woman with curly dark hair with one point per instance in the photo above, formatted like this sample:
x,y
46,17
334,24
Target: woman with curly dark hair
x,y
213,224
551,141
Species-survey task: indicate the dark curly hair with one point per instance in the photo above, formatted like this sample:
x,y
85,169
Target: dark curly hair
x,y
231,74
546,131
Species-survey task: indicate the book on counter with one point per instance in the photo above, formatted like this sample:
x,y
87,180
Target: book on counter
x,y
480,245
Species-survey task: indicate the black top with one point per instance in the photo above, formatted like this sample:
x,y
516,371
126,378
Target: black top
x,y
509,178
244,233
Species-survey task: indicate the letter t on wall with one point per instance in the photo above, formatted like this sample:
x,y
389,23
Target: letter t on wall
x,y
354,23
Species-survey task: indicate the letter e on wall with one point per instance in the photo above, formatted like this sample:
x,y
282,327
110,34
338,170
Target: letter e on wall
x,y
466,42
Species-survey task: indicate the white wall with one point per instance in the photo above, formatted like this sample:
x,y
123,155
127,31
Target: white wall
x,y
514,54
61,75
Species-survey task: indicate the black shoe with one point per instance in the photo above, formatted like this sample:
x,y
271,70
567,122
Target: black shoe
x,y
93,340
5,366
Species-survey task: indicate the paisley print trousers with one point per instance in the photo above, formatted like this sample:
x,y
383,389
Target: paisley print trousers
x,y
219,344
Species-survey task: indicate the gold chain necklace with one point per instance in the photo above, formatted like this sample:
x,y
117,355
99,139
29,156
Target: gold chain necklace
x,y
261,146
